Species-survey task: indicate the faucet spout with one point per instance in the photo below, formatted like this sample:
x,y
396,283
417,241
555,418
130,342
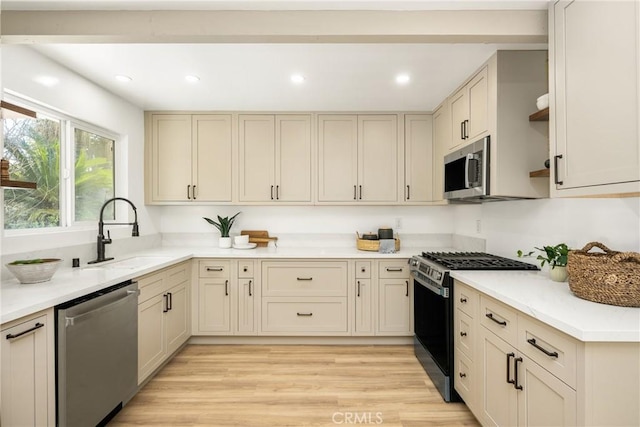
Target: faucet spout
x,y
101,240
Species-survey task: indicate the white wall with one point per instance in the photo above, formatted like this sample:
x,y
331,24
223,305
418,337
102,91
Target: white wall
x,y
523,224
79,98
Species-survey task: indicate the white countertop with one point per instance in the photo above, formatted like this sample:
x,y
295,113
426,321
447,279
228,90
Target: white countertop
x,y
18,300
554,304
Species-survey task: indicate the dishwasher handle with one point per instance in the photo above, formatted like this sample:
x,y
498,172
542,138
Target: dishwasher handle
x,y
71,321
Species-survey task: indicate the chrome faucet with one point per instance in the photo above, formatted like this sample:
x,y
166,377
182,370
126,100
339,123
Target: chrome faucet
x,y
102,241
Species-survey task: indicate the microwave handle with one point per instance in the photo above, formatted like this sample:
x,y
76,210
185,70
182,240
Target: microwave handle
x,y
471,157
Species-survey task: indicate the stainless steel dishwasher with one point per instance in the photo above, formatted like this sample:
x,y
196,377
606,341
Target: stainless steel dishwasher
x,y
96,355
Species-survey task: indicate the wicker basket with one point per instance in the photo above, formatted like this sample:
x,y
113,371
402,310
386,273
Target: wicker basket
x,y
371,245
608,278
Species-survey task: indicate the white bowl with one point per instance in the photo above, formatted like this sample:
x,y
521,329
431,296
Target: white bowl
x,y
543,102
36,272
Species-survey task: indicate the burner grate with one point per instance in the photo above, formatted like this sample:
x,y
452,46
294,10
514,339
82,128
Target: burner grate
x,y
476,261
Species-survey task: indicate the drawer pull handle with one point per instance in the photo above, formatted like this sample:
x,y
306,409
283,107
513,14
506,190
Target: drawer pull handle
x,y
36,326
509,356
226,288
463,300
533,342
305,314
463,334
215,269
406,294
358,289
304,278
515,368
250,287
394,270
462,375
499,322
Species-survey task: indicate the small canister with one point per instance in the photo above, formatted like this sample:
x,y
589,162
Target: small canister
x,y
385,233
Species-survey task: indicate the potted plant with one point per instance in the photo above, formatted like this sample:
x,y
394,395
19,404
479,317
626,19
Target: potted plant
x,y
556,257
224,226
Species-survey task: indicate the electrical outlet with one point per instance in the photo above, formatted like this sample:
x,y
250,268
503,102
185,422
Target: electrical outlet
x,y
398,224
478,226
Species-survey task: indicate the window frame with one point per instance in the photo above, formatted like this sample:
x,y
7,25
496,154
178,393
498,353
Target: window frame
x,y
68,124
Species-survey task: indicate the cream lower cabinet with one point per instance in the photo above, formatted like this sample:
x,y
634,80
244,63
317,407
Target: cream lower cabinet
x,y
466,374
275,158
225,297
364,299
594,63
163,316
395,299
27,376
358,158
180,148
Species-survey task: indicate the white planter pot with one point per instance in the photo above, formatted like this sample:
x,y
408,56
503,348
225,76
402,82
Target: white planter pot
x,y
558,274
224,242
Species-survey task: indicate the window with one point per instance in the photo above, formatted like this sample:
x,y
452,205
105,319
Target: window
x,y
42,150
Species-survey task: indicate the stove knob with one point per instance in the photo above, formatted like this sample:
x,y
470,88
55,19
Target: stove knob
x,y
439,276
414,262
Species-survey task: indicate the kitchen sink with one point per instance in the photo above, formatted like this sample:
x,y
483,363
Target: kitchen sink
x,y
129,263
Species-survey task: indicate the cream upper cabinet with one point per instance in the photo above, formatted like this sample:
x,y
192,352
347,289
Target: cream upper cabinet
x,y
28,385
418,155
181,152
358,158
441,144
594,97
469,108
275,158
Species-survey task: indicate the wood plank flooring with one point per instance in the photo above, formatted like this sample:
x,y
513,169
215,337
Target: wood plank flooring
x,y
246,385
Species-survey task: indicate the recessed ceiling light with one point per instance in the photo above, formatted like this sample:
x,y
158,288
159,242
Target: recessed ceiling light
x,y
403,79
297,78
47,80
191,78
122,78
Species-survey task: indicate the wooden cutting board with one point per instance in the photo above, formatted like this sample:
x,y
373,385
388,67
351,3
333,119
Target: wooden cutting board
x,y
260,237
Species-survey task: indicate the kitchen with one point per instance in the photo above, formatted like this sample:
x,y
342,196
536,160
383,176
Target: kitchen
x,y
502,227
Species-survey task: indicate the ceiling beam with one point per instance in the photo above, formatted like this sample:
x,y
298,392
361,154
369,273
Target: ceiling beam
x,y
435,26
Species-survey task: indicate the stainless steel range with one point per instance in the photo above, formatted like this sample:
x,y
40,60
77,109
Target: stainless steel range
x,y
433,308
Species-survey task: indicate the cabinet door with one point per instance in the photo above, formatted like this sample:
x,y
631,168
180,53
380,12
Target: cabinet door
x,y
459,113
246,305
441,142
25,390
418,155
293,154
177,317
152,343
214,306
499,400
364,307
171,157
478,106
394,307
212,158
337,158
378,158
544,400
257,158
596,70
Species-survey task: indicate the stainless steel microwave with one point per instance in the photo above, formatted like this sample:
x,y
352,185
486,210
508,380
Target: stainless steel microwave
x,y
466,172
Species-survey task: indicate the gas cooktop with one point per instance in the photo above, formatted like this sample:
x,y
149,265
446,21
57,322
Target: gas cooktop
x,y
475,261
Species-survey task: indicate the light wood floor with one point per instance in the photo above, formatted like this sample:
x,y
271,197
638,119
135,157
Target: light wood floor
x,y
243,385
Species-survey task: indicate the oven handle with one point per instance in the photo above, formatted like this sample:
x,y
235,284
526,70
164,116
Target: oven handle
x,y
435,289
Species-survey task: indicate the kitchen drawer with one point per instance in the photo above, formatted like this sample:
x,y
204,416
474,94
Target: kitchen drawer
x,y
465,298
245,269
363,269
464,377
304,315
535,340
464,333
177,274
214,268
393,269
499,319
304,279
150,285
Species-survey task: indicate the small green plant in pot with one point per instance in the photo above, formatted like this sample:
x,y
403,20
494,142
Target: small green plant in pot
x,y
556,256
224,226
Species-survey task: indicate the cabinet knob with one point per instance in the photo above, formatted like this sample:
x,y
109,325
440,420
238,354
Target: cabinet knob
x,y
463,334
462,375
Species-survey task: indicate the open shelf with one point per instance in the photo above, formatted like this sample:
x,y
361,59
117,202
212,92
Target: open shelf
x,y
540,116
542,173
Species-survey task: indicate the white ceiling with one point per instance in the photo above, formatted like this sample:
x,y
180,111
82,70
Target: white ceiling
x,y
338,77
